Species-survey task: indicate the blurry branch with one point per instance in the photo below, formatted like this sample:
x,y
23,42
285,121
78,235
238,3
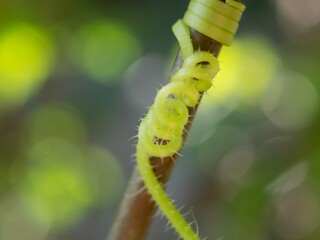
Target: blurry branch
x,y
137,208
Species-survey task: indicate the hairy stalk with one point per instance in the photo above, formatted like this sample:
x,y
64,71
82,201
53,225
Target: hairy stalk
x,y
136,210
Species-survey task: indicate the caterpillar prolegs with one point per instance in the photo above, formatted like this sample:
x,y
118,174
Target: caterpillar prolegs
x,y
161,130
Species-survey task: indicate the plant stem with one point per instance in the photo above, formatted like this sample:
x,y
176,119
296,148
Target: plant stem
x,y
137,208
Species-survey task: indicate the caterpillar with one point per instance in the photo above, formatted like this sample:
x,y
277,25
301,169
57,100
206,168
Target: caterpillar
x,y
160,133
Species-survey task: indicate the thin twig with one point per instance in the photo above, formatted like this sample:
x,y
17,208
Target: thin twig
x,y
137,210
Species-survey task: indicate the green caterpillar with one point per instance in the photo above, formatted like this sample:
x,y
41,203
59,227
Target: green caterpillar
x,y
160,133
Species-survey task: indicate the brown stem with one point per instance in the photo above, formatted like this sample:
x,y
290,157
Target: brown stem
x,y
137,208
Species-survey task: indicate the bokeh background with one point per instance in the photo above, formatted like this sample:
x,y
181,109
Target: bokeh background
x,y
76,76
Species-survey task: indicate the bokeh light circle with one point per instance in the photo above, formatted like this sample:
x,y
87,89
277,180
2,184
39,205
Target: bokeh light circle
x,y
26,57
246,69
103,50
56,120
65,176
55,185
291,101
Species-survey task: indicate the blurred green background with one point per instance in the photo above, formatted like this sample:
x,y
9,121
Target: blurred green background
x,y
75,77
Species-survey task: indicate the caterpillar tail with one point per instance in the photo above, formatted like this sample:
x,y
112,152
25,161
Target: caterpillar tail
x,y
161,131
